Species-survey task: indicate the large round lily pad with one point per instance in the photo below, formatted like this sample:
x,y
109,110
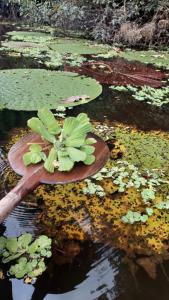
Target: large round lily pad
x,y
29,36
60,45
75,46
30,89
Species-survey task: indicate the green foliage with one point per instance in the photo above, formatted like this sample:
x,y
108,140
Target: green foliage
x,y
29,255
68,144
48,89
34,156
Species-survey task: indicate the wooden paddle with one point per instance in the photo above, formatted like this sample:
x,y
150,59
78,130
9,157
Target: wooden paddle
x,y
36,174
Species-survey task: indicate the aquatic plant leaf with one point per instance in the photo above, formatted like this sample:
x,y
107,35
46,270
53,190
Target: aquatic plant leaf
x,y
64,152
148,194
29,256
12,245
35,148
48,119
83,118
31,158
149,211
76,154
34,156
44,242
69,125
49,163
24,240
82,129
90,159
90,141
88,149
65,162
10,257
157,97
19,269
75,141
32,89
37,126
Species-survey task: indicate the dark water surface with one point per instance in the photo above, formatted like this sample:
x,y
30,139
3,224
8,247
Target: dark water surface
x,y
98,272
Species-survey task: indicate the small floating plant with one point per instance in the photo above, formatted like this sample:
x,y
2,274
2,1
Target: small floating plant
x,y
66,145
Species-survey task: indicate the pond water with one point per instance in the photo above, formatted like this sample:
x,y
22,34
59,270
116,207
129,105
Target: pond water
x,y
93,269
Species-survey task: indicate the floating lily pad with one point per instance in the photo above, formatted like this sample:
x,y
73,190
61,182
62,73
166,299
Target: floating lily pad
x,y
19,45
27,49
30,89
29,36
62,45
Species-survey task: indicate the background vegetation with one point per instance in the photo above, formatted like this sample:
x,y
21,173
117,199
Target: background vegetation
x,y
126,22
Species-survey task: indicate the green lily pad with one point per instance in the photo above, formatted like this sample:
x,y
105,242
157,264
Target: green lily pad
x,y
29,36
31,89
62,45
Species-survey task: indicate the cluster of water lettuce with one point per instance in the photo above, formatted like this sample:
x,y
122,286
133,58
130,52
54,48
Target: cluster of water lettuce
x,y
157,97
27,255
91,188
66,145
125,175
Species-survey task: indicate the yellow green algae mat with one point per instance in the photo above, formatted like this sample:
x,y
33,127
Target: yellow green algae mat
x,y
30,89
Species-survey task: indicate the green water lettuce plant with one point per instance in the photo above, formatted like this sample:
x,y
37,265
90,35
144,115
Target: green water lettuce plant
x,y
26,255
157,97
65,145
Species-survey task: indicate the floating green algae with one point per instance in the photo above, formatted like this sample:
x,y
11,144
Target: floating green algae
x,y
31,89
147,150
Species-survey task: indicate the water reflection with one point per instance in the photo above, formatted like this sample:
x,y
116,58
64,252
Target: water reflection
x,y
92,274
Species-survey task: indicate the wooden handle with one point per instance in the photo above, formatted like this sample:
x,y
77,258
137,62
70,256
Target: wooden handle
x,y
8,203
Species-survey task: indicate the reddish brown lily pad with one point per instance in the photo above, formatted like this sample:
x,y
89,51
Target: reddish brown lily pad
x,y
119,71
